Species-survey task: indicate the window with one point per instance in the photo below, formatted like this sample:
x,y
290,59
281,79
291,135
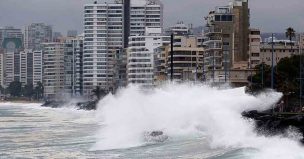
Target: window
x,y
224,18
226,35
229,18
89,11
217,18
225,43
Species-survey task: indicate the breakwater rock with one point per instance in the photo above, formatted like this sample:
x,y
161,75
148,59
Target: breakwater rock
x,y
88,105
273,123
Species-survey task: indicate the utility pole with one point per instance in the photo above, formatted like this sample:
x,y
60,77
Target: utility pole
x,y
272,60
225,66
300,53
213,67
172,53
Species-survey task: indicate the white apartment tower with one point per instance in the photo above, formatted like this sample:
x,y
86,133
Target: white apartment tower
x,y
37,67
23,67
53,69
103,36
145,13
140,58
11,57
107,27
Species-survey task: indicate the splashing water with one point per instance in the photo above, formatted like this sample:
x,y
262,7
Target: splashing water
x,y
189,110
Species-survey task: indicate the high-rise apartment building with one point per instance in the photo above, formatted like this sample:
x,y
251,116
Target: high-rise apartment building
x,y
53,69
227,32
73,55
188,58
1,68
37,67
103,37
107,27
23,67
254,47
145,13
11,55
241,22
140,58
30,67
36,34
10,32
26,67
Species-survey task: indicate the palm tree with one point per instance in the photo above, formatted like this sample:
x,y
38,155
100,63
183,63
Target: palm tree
x,y
39,90
290,33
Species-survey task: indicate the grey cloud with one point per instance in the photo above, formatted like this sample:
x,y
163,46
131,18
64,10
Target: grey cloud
x,y
268,15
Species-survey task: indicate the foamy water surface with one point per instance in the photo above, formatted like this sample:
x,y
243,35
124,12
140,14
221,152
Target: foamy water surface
x,y
200,121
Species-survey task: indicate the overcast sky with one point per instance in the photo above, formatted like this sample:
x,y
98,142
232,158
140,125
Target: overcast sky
x,y
63,15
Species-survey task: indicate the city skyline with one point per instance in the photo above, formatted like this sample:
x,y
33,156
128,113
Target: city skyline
x,y
69,15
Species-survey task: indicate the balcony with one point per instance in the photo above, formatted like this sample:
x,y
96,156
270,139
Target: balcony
x,y
212,30
214,46
212,39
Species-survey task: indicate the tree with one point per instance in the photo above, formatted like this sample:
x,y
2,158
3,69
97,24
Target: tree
x,y
28,90
286,79
290,33
15,88
99,93
39,90
2,90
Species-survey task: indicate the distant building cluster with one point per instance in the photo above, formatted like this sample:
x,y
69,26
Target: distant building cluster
x,y
124,42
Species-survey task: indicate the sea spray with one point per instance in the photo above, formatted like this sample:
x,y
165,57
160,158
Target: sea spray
x,y
181,110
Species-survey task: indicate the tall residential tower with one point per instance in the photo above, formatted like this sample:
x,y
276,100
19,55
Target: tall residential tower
x,y
36,34
107,27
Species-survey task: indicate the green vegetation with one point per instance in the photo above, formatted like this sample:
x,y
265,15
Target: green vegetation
x,y
15,90
286,79
290,33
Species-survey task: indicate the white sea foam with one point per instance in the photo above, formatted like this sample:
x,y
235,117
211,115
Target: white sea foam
x,y
188,110
20,104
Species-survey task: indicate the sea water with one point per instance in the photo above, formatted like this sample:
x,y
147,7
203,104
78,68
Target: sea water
x,y
200,122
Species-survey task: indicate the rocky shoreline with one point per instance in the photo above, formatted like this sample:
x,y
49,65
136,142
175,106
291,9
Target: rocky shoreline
x,y
88,105
275,123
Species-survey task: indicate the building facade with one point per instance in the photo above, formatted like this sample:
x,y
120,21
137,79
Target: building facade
x,y
254,48
1,68
140,66
36,34
10,32
178,29
73,58
23,67
103,37
145,13
37,67
227,32
281,49
107,27
53,69
11,56
187,60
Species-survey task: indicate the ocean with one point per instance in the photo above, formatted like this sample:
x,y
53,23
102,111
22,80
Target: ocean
x,y
199,121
